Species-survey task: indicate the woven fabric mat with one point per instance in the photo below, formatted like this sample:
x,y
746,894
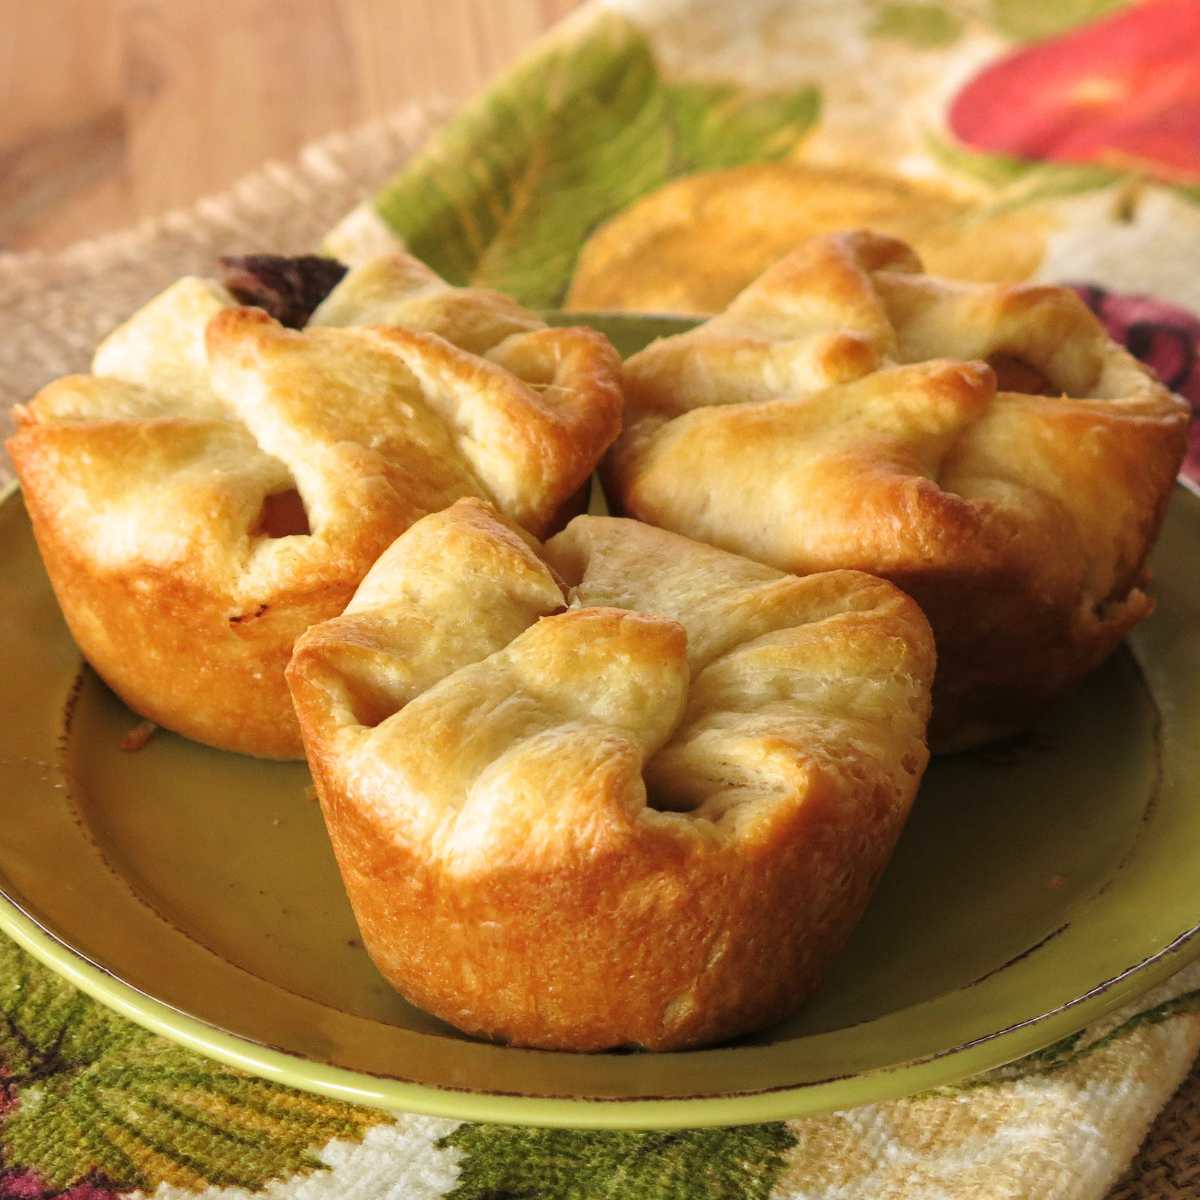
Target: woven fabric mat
x,y
1064,1132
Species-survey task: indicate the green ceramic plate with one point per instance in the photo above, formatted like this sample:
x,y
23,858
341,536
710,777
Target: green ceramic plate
x,y
1036,888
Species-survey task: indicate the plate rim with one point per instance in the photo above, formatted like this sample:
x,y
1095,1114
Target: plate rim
x,y
393,1094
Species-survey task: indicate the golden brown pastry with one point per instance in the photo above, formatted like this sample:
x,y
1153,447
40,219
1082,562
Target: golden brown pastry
x,y
987,448
620,789
219,483
693,244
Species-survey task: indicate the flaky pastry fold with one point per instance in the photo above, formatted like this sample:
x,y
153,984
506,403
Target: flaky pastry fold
x,y
218,483
619,789
987,448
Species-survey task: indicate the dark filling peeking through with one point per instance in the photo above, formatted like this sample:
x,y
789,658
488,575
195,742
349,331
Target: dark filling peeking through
x,y
1014,374
282,515
288,288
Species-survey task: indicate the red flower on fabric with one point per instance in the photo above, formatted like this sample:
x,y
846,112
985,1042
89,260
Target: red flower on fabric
x,y
20,1184
1165,337
1124,91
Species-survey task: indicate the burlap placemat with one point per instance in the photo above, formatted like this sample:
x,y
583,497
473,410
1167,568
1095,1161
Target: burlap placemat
x,y
1168,1165
1061,1132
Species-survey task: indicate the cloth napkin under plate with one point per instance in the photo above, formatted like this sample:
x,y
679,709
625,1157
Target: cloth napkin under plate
x,y
718,88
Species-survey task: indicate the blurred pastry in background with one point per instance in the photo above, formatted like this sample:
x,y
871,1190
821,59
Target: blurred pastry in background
x,y
693,244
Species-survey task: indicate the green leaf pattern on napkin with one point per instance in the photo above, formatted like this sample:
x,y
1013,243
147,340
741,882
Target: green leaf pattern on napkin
x,y
1021,180
1066,1051
560,1164
716,125
922,26
87,1094
508,193
1028,20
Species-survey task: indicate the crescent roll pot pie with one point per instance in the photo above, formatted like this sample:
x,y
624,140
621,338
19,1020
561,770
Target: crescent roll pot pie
x,y
987,448
619,789
220,482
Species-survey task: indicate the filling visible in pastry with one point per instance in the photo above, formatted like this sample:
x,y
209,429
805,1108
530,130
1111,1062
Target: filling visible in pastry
x,y
619,789
988,448
220,481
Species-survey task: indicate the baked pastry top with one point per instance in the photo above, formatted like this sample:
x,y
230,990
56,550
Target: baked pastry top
x,y
622,788
219,482
988,448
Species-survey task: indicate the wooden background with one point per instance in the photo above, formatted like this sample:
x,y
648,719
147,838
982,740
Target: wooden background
x,y
115,110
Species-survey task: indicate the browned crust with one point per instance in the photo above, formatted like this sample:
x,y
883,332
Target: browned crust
x,y
1025,598
225,663
175,646
189,640
654,929
653,943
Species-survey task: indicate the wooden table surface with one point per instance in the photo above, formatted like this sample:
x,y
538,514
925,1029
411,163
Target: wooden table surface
x,y
115,110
